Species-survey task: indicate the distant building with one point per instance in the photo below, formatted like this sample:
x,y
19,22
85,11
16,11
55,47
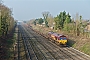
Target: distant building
x,y
87,27
43,24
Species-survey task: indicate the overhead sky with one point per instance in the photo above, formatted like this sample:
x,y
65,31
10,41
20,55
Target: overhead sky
x,y
29,9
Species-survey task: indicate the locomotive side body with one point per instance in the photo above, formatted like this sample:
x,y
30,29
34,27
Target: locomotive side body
x,y
49,34
54,36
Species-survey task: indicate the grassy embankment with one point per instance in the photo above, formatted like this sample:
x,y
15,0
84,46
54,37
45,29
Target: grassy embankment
x,y
80,43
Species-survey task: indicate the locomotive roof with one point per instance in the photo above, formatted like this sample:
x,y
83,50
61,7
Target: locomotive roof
x,y
55,34
58,35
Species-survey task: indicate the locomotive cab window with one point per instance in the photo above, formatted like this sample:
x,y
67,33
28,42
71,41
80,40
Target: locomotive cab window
x,y
62,38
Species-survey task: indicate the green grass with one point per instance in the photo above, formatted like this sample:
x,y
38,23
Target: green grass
x,y
74,45
10,42
86,48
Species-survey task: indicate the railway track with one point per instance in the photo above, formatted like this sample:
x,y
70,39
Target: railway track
x,y
43,53
18,44
20,49
52,49
30,55
73,54
38,47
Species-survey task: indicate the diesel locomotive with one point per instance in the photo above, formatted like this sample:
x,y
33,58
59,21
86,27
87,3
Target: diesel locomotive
x,y
60,39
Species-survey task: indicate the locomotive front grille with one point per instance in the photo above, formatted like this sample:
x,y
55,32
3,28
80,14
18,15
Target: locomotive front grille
x,y
62,41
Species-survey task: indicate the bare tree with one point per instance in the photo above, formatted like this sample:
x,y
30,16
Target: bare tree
x,y
50,20
45,15
77,23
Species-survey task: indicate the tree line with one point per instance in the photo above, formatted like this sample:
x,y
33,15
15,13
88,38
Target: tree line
x,y
64,22
7,21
